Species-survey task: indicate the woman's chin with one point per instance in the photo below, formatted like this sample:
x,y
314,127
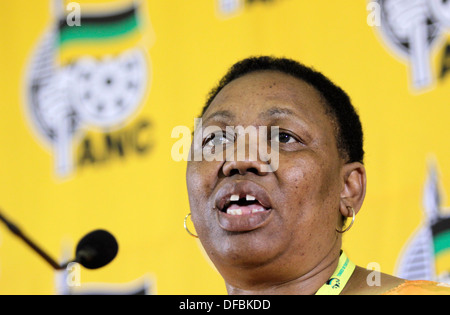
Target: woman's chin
x,y
244,250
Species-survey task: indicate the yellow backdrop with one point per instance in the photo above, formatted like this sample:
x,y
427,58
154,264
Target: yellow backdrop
x,y
87,112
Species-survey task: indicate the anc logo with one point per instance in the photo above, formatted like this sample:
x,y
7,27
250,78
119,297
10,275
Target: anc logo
x,y
412,28
427,255
93,75
334,282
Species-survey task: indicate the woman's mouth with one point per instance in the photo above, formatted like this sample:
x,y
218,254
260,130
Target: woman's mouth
x,y
244,209
243,206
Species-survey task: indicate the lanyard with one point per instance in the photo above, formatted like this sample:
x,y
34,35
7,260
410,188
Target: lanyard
x,y
340,277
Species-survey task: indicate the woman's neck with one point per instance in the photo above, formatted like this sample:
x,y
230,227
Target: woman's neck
x,y
259,281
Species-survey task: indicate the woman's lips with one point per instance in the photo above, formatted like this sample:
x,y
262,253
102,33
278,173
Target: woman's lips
x,y
244,222
236,209
244,219
242,206
235,191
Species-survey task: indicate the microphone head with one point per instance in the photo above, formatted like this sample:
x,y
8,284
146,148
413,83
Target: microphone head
x,y
96,249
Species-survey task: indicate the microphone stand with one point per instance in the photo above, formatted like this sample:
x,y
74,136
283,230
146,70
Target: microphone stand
x,y
15,230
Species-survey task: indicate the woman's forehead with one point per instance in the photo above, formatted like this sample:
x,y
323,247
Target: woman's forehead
x,y
266,94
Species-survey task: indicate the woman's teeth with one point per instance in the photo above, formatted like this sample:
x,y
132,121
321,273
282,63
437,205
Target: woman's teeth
x,y
240,211
236,209
247,197
250,198
234,198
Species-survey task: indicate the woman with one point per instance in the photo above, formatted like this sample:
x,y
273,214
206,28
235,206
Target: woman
x,y
276,228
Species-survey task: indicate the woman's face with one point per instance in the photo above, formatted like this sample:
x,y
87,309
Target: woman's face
x,y
290,226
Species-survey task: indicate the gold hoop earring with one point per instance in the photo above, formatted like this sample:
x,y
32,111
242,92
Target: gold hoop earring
x,y
350,225
186,228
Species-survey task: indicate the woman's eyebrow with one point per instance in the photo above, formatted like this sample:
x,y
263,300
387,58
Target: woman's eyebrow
x,y
277,112
220,115
281,113
271,113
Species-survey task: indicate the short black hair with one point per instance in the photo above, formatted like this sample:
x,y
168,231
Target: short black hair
x,y
349,134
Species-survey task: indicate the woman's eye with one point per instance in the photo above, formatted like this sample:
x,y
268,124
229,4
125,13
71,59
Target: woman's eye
x,y
285,138
217,139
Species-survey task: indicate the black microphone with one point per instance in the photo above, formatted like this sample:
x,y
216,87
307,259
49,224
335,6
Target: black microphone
x,y
95,250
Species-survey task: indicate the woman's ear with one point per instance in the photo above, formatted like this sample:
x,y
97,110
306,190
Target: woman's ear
x,y
354,188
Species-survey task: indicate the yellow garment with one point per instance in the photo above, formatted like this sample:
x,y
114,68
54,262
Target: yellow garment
x,y
420,287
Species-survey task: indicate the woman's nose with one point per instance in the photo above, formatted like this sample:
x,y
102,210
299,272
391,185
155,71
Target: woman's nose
x,y
256,167
248,155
